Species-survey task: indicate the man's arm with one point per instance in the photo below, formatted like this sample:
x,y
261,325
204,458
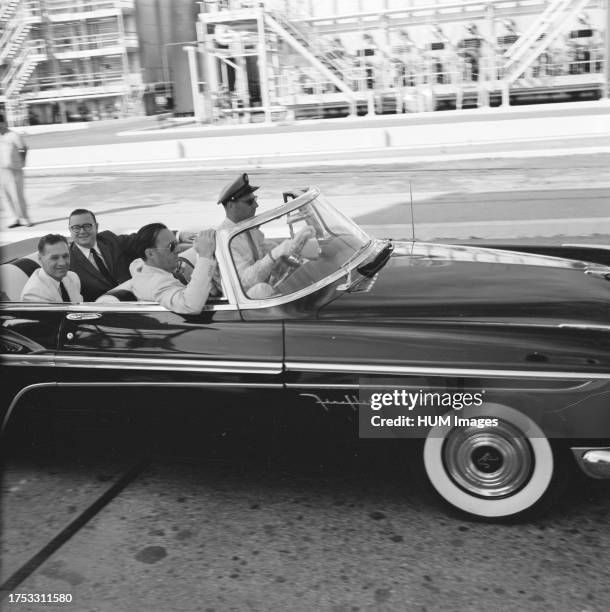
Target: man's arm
x,y
250,273
191,299
76,279
21,147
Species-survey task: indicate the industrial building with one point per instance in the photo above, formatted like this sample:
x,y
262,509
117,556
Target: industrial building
x,y
252,60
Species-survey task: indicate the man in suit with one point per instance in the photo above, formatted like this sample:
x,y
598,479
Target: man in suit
x,y
101,259
52,282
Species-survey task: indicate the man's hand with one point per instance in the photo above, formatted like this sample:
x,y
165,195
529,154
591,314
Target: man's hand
x,y
187,236
302,237
293,245
205,243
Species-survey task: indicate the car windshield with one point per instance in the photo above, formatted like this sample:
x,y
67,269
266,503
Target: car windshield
x,y
296,250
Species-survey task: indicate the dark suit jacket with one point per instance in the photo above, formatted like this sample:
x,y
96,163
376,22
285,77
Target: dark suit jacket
x,y
117,252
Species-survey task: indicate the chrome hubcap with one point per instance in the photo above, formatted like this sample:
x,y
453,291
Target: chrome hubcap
x,y
492,462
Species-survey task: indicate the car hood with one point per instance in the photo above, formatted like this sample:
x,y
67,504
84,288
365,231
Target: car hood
x,y
469,283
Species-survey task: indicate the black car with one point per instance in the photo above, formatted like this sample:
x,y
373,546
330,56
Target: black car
x,y
500,357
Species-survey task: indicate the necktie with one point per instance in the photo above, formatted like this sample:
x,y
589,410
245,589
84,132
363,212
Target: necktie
x,y
101,266
252,245
64,293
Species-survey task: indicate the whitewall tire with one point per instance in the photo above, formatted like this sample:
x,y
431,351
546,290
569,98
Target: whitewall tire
x,y
494,472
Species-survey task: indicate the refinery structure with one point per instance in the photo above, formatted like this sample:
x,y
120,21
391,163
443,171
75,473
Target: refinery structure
x,y
251,60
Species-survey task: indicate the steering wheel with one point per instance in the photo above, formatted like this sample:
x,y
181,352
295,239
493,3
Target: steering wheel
x,y
290,265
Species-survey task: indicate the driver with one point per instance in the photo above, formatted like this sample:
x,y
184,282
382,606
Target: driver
x,y
254,257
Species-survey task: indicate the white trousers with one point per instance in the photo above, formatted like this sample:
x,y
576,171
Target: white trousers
x,y
11,192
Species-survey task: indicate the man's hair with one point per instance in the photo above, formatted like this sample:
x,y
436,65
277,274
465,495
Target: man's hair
x,y
146,238
82,211
50,239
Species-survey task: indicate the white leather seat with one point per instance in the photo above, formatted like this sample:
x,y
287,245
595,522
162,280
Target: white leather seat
x,y
14,275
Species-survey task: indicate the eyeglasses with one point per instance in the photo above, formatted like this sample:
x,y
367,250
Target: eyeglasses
x,y
251,201
77,228
171,246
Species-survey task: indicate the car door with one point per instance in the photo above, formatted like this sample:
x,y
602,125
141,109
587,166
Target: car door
x,y
28,342
131,343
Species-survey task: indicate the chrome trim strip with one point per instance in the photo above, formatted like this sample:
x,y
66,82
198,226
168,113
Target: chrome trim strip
x,y
41,361
112,385
605,247
17,397
605,328
295,366
102,307
321,385
176,365
135,363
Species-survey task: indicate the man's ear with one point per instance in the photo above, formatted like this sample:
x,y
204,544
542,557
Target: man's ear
x,y
148,253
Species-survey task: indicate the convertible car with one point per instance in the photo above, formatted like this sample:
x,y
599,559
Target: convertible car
x,y
492,363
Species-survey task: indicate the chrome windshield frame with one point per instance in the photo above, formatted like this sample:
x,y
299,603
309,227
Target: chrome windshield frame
x,y
229,273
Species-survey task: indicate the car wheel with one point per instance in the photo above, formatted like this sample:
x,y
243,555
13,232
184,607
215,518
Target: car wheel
x,y
495,472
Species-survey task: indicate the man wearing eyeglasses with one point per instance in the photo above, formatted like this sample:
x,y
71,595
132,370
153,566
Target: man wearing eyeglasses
x,y
153,276
101,259
254,257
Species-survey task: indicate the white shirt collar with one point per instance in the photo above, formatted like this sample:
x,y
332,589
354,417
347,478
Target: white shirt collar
x,y
87,251
51,279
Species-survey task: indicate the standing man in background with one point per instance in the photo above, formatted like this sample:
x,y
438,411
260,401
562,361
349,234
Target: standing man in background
x,y
13,151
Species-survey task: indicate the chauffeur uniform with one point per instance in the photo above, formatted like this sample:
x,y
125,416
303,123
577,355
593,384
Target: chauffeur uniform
x,y
115,252
250,253
41,287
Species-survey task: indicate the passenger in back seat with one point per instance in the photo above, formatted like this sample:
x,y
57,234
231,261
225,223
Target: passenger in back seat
x,y
53,282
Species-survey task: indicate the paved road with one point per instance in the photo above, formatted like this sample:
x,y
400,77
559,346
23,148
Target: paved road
x,y
271,515
251,510
536,198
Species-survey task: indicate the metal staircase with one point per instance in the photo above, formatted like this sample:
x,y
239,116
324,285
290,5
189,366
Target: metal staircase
x,y
21,67
540,35
323,58
8,8
13,38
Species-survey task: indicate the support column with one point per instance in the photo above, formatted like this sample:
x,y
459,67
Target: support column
x,y
197,101
607,58
487,64
208,68
262,65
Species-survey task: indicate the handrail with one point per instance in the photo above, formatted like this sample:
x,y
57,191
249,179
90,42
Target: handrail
x,y
32,52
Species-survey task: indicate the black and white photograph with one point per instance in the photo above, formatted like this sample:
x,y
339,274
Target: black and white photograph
x,y
305,305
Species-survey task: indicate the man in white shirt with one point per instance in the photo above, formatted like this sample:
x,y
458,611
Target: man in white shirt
x,y
153,273
53,282
254,257
13,151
